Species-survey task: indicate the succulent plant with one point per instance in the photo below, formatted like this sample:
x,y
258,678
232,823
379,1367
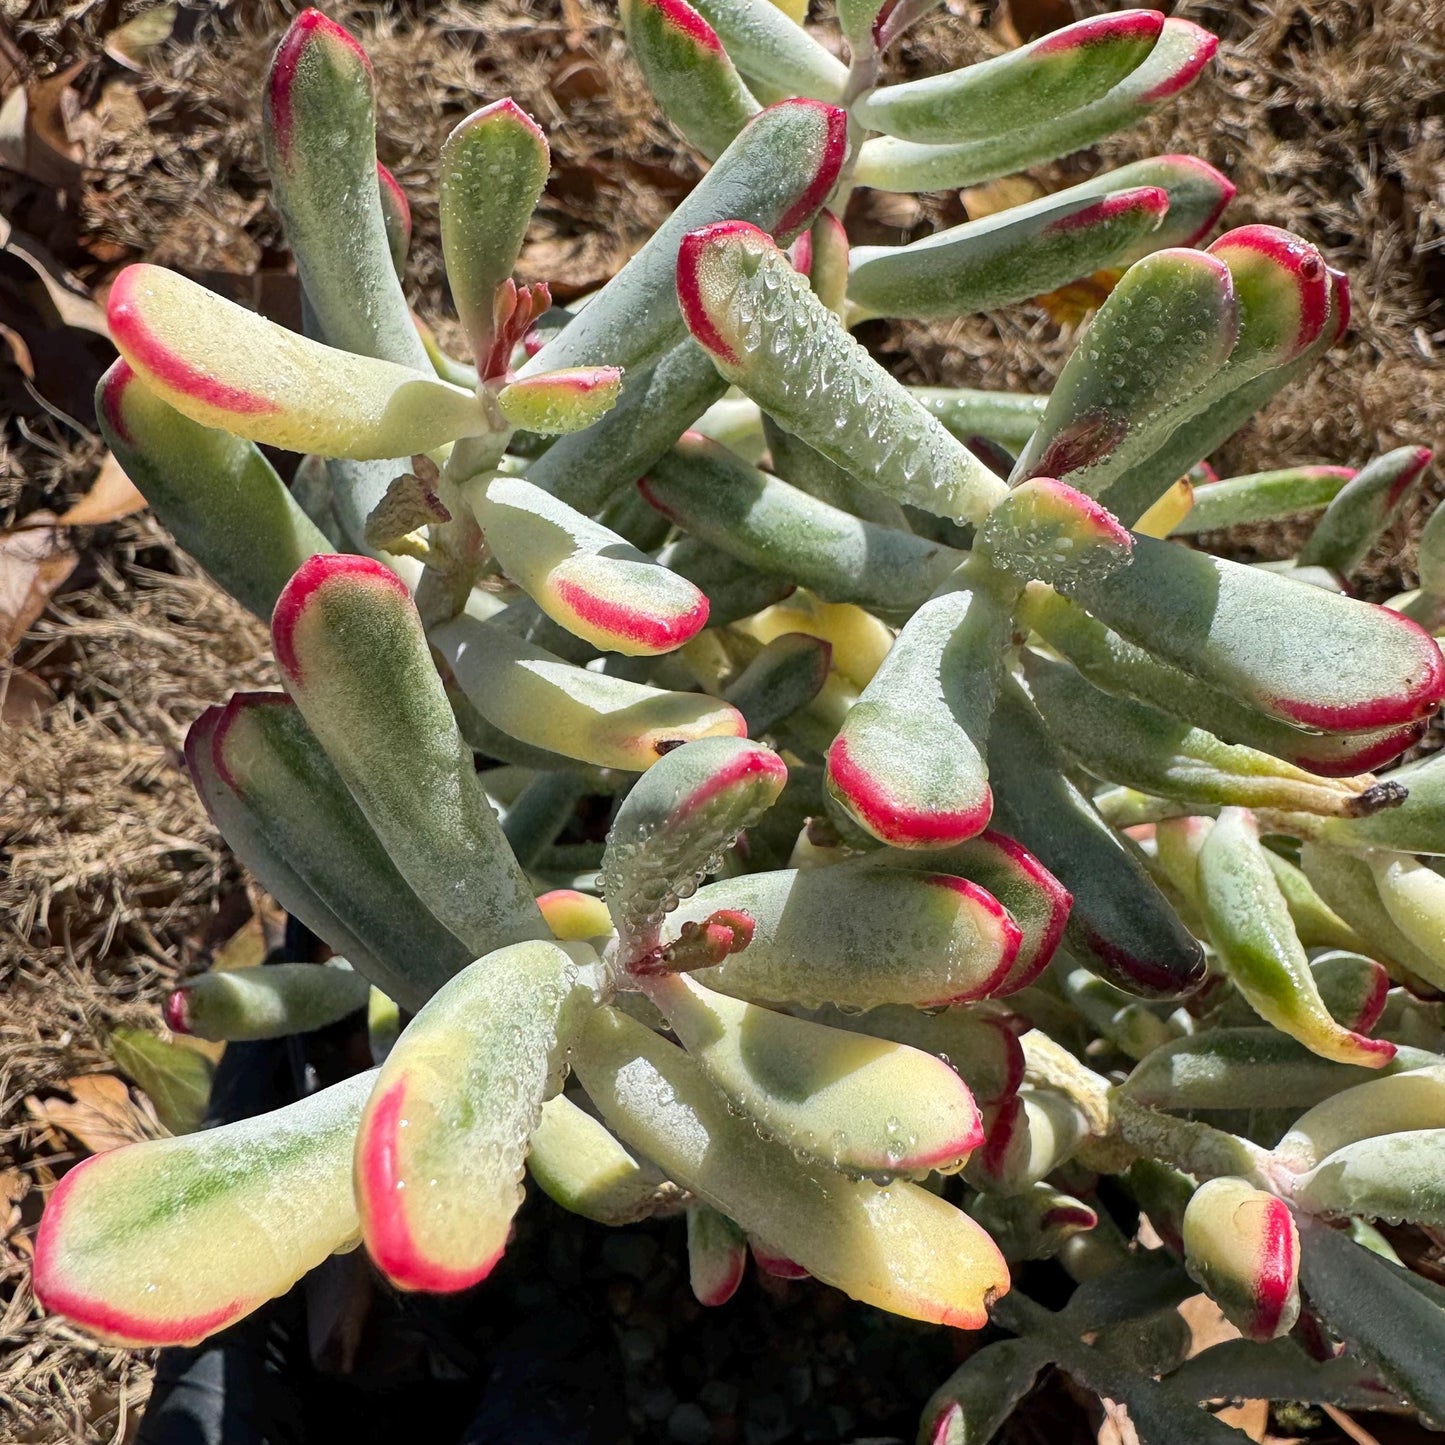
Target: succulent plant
x,y
1059,853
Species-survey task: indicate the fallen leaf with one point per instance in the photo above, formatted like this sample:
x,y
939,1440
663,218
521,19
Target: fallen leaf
x,y
177,1080
1249,1416
131,44
23,697
102,1116
72,302
34,561
14,1186
1207,1325
1031,18
245,948
35,130
1116,1428
1071,303
1001,195
112,495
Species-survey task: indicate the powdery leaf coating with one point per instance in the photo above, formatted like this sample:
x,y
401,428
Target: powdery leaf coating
x,y
900,1249
584,576
770,48
224,366
1022,88
1262,497
1364,507
1047,530
1414,897
1242,1246
769,334
1027,1136
1179,55
858,938
1412,1100
347,635
267,1002
717,1255
441,1145
590,716
858,1104
1398,1177
554,402
166,1242
581,1165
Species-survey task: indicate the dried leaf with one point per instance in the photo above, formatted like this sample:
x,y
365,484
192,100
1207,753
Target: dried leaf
x,y
73,305
1070,304
102,1115
177,1080
112,495
23,697
14,1186
34,130
34,561
132,44
1000,195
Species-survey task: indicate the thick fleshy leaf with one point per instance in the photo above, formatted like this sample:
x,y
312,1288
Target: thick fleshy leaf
x,y
776,174
319,132
1002,416
1416,826
1032,1225
1045,529
223,366
860,642
975,1401
1130,743
492,169
1036,901
854,1103
1004,258
546,703
798,464
1250,1069
556,402
684,64
1121,925
1414,1100
768,333
353,655
574,917
282,806
1197,194
717,1255
909,763
1385,1315
1164,331
166,1242
1414,896
1132,1027
858,937
1396,1176
978,1042
1257,636
1243,1369
770,48
657,405
1356,517
580,1164
1262,497
1120,667
267,1002
216,494
785,676
1178,56
1172,507
1253,934
1242,1246
396,216
1027,1136
441,1145
1354,988
677,822
776,528
583,576
900,1248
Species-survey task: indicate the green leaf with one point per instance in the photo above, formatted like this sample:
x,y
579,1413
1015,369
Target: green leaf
x,y
1262,497
717,1255
1411,1100
1358,515
177,1080
975,1401
785,676
1244,1369
577,1162
1002,416
266,1002
770,48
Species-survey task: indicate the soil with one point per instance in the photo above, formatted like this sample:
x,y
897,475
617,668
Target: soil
x,y
1326,113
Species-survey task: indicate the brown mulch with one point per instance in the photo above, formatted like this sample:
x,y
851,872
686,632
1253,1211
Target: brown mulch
x,y
1326,113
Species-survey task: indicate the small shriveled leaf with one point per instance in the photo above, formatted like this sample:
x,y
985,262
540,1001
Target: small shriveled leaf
x,y
1175,62
769,334
164,1243
858,937
673,827
1253,934
442,1142
581,1165
717,1255
353,655
900,1249
1301,654
1121,925
265,1003
544,702
1262,497
217,495
223,366
909,763
1242,1246
777,528
684,64
582,575
1365,506
1416,826
854,1103
319,132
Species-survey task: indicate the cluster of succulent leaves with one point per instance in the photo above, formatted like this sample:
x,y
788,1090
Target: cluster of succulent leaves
x,y
1033,846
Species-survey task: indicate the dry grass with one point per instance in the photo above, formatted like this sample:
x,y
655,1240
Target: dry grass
x,y
1325,112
